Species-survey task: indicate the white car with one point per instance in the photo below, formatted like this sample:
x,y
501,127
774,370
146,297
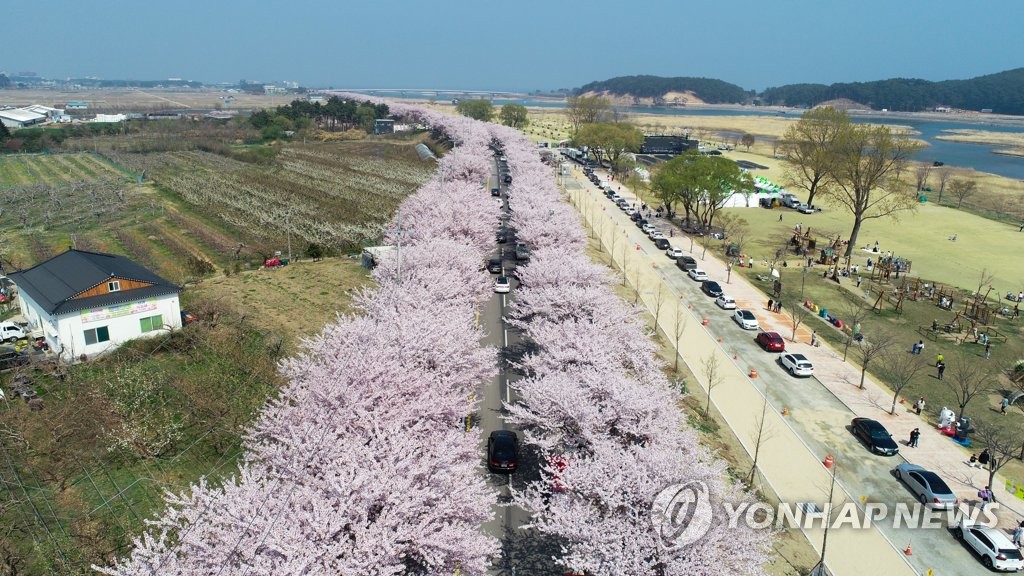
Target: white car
x,y
805,209
11,332
648,228
991,544
698,274
629,211
657,235
746,319
797,364
502,285
674,253
726,302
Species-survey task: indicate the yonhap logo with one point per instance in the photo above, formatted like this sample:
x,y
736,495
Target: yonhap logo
x,y
681,514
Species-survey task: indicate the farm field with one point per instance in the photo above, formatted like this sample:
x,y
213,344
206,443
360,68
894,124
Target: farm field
x,y
121,100
157,414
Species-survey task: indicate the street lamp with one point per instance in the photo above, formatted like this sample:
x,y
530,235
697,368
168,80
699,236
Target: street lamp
x,y
803,279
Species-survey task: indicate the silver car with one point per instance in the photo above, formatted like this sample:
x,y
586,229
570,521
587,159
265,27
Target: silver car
x,y
931,490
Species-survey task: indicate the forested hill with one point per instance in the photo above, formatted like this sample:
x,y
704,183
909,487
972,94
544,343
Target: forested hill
x,y
1001,92
707,89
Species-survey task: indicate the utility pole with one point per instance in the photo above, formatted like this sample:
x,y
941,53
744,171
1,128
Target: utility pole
x,y
819,568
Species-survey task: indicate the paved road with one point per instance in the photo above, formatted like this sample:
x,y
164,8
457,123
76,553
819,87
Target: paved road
x,y
523,552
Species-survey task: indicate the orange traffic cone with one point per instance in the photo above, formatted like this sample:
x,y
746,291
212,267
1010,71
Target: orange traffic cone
x,y
907,551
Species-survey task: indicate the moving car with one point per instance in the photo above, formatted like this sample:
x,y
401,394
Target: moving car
x,y
502,236
686,263
746,320
674,253
711,288
875,435
771,341
502,285
726,302
991,544
697,274
494,265
495,192
502,451
931,490
797,364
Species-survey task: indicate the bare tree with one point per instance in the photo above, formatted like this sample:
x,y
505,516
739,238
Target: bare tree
x,y
678,328
582,110
966,379
944,172
1002,443
810,147
709,368
873,348
659,302
796,311
962,188
985,279
760,436
921,173
747,140
899,367
855,312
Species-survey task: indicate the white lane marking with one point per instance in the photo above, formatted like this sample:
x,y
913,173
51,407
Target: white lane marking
x,y
506,336
508,392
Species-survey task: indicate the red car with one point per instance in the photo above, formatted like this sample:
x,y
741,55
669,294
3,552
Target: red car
x,y
771,341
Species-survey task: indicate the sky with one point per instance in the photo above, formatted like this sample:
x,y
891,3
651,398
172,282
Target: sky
x,y
512,46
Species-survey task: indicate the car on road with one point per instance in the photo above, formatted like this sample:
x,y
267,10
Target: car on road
x,y
495,191
931,490
674,253
648,228
661,243
686,263
990,544
494,265
12,332
697,274
711,288
875,436
797,364
522,252
770,341
657,235
502,285
629,211
636,215
11,358
726,302
746,320
501,236
502,451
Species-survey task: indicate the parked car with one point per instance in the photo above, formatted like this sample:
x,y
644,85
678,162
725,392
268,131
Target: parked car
x,y
797,364
636,215
657,235
771,341
508,178
875,436
746,320
686,263
502,236
726,302
931,490
711,288
697,274
11,358
661,243
495,191
805,209
502,451
674,253
502,285
990,544
494,265
11,332
648,228
641,222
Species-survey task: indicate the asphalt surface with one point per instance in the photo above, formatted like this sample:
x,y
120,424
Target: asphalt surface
x,y
523,552
819,418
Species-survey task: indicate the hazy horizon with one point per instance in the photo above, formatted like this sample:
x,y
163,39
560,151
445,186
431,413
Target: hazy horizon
x,y
533,45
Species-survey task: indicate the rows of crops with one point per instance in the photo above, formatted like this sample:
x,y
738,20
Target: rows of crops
x,y
18,170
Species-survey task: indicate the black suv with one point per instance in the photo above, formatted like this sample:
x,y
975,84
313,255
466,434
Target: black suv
x,y
494,265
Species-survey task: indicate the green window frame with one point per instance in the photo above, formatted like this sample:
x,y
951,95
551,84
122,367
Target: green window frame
x,y
151,323
97,335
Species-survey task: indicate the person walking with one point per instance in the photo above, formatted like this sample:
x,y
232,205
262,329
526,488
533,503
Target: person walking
x,y
983,459
988,350
985,495
915,435
1003,405
778,306
750,262
920,346
814,338
771,304
1018,533
919,406
780,217
941,367
858,280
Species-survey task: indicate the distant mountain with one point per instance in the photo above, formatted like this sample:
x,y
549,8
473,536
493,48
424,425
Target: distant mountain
x,y
1001,92
707,90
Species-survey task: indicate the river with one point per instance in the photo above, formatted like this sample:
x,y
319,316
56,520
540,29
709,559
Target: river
x,y
966,155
